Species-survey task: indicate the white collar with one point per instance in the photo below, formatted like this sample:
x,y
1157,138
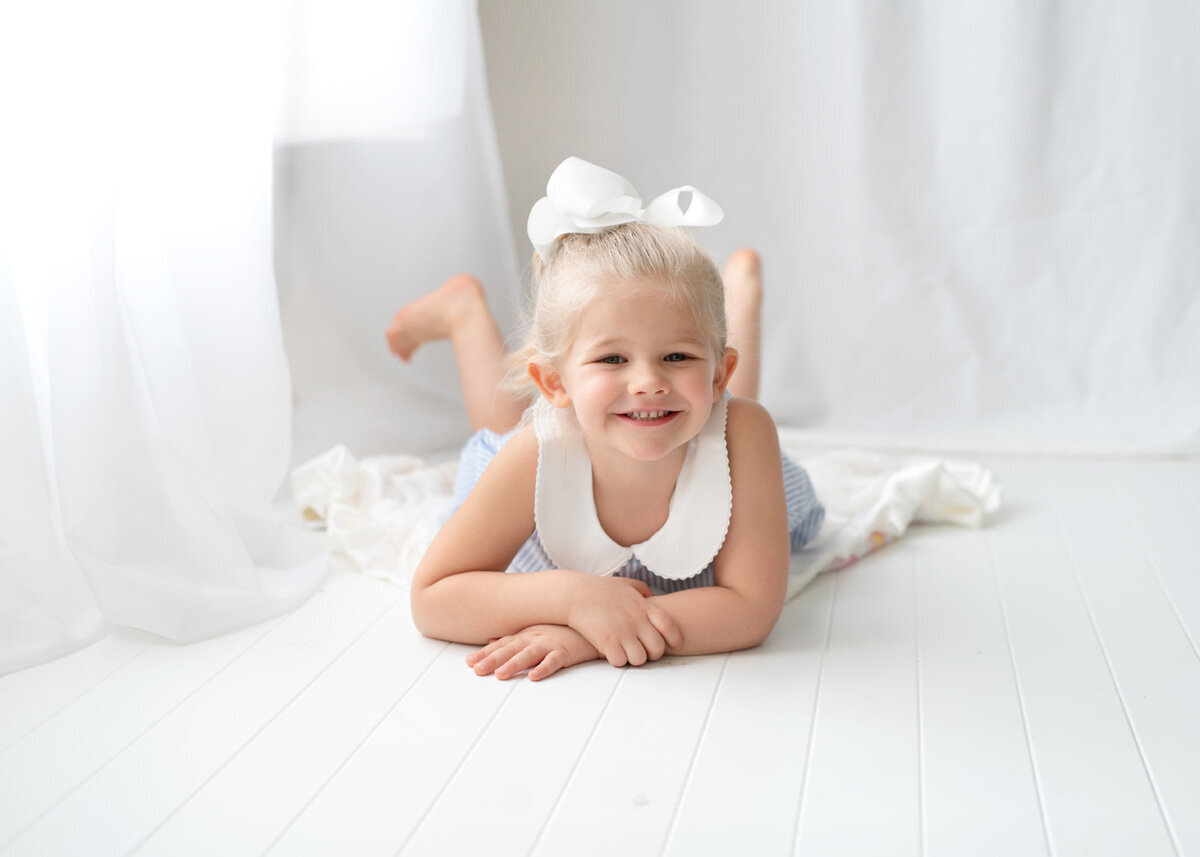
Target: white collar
x,y
565,506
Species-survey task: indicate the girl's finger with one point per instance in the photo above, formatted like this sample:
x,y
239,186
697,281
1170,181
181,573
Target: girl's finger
x,y
487,665
635,652
665,625
609,647
615,654
550,664
653,642
482,652
530,656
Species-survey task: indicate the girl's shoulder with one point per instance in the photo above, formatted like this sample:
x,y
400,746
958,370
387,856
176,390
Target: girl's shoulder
x,y
747,420
520,452
505,489
751,438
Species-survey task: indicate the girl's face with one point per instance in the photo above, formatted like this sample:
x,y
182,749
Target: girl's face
x,y
641,376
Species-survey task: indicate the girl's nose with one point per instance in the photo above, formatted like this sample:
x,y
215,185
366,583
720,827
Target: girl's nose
x,y
648,381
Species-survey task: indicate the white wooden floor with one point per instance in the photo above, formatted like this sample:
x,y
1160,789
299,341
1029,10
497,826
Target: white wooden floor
x,y
1030,688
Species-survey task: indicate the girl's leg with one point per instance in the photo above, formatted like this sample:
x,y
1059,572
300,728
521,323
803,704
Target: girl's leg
x,y
743,314
457,310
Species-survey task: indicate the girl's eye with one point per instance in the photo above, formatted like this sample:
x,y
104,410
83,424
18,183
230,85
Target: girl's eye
x,y
677,357
612,359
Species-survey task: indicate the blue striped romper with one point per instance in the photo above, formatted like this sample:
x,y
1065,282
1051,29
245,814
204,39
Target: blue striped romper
x,y
805,512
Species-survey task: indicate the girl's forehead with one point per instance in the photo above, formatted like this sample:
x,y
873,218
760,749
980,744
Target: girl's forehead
x,y
650,316
648,291
640,300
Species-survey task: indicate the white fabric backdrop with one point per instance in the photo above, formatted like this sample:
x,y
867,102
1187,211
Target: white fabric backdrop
x,y
979,220
365,225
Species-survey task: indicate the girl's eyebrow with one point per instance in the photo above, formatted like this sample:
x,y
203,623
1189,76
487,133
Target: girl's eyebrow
x,y
617,342
601,344
683,342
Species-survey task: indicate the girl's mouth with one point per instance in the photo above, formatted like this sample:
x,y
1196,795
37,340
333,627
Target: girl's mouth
x,y
650,418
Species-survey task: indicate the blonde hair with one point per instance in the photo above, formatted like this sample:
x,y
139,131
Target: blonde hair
x,y
584,268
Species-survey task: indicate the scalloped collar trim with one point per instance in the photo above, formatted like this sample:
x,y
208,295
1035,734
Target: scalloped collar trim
x,y
565,507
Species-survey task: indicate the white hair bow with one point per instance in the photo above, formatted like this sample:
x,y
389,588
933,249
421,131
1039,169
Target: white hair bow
x,y
582,197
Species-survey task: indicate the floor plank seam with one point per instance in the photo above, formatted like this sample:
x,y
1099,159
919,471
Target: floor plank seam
x,y
816,707
578,759
1154,566
466,756
1112,674
357,749
398,602
922,820
1016,673
141,734
687,777
75,698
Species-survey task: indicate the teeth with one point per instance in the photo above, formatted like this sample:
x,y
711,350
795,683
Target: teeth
x,y
647,415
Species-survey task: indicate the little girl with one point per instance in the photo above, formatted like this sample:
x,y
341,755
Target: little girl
x,y
644,491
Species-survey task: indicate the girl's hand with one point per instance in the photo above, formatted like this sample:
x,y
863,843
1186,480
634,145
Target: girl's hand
x,y
541,649
614,615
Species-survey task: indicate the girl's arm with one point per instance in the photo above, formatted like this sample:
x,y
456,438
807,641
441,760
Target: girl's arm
x,y
461,594
456,593
752,567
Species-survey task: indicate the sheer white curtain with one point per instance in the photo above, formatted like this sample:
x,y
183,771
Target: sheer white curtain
x,y
145,401
978,220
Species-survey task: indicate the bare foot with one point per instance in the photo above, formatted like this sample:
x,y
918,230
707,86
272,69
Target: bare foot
x,y
435,315
743,313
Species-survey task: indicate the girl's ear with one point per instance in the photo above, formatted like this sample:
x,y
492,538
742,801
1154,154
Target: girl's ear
x,y
550,383
725,367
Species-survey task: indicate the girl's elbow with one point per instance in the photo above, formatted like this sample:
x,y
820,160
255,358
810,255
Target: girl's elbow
x,y
756,617
764,624
749,638
753,631
423,599
423,613
759,635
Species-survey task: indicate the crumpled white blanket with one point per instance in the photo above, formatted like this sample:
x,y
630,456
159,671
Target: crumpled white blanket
x,y
381,513
871,499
